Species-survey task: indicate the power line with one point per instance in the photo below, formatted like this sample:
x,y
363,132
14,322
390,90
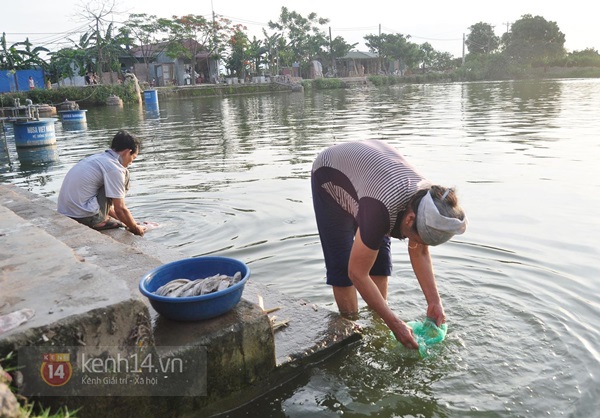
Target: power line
x,y
424,37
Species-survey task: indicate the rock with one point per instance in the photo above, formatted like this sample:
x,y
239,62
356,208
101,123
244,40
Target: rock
x,y
113,100
9,407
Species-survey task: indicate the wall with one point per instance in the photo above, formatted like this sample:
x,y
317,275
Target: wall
x,y
9,83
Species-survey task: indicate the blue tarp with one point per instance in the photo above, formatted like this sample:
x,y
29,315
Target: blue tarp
x,y
10,81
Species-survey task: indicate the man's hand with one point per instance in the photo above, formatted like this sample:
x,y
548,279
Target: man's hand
x,y
138,230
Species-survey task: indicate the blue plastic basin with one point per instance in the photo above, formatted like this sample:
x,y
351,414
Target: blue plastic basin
x,y
194,308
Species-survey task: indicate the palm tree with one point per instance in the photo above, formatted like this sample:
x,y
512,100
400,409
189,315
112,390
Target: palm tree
x,y
255,52
271,44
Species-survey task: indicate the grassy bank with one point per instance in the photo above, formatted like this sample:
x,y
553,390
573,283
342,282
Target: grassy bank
x,y
89,96
221,90
85,96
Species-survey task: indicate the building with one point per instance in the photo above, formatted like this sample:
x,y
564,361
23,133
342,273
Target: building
x,y
358,64
154,64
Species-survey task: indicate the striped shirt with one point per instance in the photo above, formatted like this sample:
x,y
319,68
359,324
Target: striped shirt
x,y
370,180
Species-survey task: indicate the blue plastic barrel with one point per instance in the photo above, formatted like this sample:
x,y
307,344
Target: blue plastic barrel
x,y
151,98
72,115
35,133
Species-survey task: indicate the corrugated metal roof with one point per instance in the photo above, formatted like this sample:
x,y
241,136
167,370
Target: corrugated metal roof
x,y
358,55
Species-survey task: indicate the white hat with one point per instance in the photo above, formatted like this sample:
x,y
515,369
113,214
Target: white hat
x,y
435,228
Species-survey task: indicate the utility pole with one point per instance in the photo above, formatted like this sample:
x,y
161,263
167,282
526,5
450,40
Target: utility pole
x,y
218,63
463,49
379,62
506,23
331,53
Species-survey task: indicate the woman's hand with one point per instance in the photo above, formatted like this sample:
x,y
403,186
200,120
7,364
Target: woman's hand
x,y
435,311
404,334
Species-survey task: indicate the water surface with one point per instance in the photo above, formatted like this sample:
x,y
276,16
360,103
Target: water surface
x,y
520,288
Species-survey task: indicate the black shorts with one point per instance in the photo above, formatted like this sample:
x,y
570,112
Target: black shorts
x,y
337,229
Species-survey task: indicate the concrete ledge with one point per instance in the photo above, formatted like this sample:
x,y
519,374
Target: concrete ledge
x,y
41,273
240,347
83,285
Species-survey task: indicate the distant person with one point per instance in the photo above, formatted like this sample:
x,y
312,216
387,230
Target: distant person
x,y
364,193
88,79
93,191
31,83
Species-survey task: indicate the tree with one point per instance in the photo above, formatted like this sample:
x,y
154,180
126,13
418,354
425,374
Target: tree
x,y
394,47
145,30
443,61
191,34
482,39
587,58
305,38
534,41
83,55
272,45
236,62
96,14
376,44
254,54
427,55
20,55
339,48
111,44
62,64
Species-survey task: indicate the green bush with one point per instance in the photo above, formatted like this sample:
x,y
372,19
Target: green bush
x,y
328,83
85,96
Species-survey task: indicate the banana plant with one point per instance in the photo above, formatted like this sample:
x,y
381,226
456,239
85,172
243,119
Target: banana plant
x,y
12,58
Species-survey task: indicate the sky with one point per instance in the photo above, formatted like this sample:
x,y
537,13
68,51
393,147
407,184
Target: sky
x,y
52,23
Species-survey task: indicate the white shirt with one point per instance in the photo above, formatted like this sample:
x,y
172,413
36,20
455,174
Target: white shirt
x,y
78,194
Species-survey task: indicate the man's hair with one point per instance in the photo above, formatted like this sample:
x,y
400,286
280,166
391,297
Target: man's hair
x,y
124,140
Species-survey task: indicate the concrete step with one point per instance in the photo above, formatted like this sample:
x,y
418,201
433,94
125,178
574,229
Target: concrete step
x,y
83,285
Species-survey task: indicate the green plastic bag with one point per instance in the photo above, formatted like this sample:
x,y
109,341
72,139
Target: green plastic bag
x,y
427,334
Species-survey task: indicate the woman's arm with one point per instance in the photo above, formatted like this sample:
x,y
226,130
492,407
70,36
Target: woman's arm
x,y
361,260
423,268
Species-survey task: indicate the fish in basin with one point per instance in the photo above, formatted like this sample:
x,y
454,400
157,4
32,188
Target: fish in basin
x,y
184,287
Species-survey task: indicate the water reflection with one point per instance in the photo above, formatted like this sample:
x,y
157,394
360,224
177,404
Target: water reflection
x,y
33,157
152,112
74,126
521,112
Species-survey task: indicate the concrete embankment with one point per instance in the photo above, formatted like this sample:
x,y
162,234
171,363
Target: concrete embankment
x,y
83,286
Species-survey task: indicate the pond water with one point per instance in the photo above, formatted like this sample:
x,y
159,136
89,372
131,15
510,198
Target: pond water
x,y
520,288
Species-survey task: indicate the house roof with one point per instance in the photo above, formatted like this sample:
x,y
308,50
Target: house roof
x,y
157,48
358,55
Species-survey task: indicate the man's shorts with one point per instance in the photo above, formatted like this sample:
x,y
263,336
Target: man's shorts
x,y
104,203
337,229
